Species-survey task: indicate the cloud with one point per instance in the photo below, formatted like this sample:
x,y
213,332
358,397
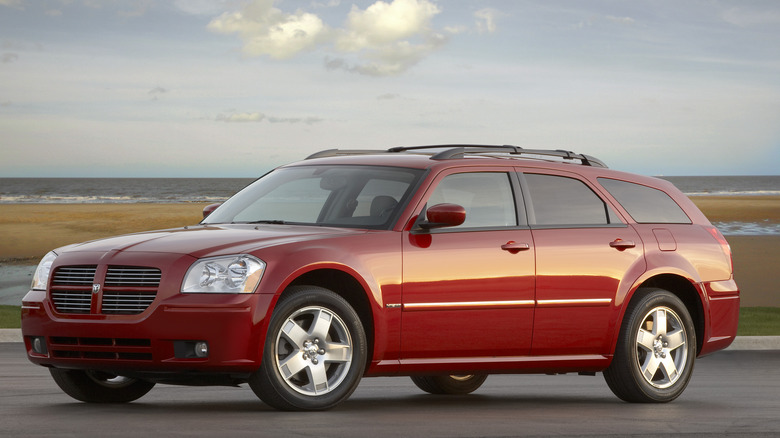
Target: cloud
x,y
12,3
390,59
620,20
266,30
306,120
234,117
241,117
386,38
486,20
8,58
385,23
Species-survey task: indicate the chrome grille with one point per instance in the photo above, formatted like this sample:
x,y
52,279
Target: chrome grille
x,y
74,276
126,302
132,276
72,301
129,290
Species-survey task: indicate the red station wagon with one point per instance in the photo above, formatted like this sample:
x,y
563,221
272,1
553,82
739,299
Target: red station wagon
x,y
443,263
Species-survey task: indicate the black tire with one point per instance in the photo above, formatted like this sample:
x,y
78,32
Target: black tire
x,y
308,366
450,385
656,349
99,387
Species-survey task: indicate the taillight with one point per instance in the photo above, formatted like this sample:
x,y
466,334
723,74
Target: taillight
x,y
724,244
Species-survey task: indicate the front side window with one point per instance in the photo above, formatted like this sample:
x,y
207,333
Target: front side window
x,y
564,201
645,204
487,197
347,196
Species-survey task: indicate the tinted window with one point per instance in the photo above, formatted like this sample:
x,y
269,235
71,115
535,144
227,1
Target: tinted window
x,y
486,196
559,200
645,204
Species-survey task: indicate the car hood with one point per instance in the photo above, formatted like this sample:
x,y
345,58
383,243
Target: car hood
x,y
210,240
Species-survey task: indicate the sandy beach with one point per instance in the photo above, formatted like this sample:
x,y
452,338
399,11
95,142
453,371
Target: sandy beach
x,y
28,231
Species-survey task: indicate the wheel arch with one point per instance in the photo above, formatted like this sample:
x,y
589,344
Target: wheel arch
x,y
686,290
349,288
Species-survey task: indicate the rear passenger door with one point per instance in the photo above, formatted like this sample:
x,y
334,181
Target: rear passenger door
x,y
584,251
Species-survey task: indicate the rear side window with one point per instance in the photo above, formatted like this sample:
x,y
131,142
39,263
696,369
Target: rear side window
x,y
563,201
645,204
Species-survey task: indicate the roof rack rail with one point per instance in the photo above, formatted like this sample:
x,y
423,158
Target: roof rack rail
x,y
343,152
452,151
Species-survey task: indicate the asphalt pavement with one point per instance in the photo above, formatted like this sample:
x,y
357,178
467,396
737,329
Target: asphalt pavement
x,y
731,393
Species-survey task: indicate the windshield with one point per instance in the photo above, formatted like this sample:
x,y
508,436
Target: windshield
x,y
347,196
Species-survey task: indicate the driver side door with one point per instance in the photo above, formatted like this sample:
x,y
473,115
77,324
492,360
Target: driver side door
x,y
468,290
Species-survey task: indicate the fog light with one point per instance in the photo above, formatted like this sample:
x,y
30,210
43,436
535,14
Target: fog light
x,y
39,345
201,349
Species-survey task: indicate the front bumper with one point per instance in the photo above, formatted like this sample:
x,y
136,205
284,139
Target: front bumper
x,y
160,339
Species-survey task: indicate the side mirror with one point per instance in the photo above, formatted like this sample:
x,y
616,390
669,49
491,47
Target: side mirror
x,y
207,210
443,215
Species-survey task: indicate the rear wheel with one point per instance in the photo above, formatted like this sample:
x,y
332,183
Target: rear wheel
x,y
452,384
99,387
656,350
314,354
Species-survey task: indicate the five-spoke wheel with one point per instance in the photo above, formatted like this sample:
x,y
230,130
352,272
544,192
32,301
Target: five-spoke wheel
x,y
314,354
656,349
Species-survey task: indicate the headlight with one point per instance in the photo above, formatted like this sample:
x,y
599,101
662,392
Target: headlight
x,y
237,274
41,276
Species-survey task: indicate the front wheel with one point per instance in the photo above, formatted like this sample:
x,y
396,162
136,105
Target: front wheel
x,y
656,350
451,385
314,353
99,387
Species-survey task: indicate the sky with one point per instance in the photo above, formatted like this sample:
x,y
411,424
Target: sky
x,y
231,88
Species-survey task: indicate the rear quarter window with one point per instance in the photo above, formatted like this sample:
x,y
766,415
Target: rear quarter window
x,y
645,204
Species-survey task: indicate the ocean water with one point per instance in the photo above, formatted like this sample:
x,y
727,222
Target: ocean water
x,y
117,190
727,185
183,190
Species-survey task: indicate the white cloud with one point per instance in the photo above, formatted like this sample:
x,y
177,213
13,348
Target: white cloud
x,y
486,20
386,23
241,117
620,20
384,39
266,30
